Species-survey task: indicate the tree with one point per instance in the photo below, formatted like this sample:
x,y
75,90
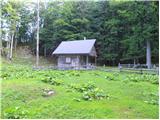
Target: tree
x,y
11,18
123,29
37,48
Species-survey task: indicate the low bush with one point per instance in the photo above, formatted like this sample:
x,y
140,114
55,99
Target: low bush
x,y
4,75
82,87
52,81
16,113
111,77
151,98
73,73
89,91
145,77
95,93
151,78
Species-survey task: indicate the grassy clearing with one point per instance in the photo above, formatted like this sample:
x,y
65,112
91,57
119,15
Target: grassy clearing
x,y
126,96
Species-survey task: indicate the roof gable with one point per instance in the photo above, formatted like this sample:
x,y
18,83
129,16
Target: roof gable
x,y
75,47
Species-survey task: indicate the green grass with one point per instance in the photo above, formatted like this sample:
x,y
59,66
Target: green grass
x,y
22,94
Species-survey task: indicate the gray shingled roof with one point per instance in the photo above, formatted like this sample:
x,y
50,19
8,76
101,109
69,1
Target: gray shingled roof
x,y
75,47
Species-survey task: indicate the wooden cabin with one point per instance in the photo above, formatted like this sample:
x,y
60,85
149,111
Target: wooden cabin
x,y
78,54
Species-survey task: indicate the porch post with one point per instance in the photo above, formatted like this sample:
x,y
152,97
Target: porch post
x,y
87,60
77,62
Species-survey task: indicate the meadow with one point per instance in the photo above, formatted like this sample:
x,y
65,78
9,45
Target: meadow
x,y
76,94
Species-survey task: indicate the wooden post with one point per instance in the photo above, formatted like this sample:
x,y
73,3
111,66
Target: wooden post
x,y
87,60
141,71
134,63
120,67
95,60
77,62
157,70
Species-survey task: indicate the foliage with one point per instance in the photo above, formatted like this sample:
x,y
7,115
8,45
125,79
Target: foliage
x,y
16,113
89,91
121,28
137,78
152,98
73,73
52,81
4,75
151,78
23,88
84,87
111,76
95,93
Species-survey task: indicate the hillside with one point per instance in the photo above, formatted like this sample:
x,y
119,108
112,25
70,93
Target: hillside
x,y
24,55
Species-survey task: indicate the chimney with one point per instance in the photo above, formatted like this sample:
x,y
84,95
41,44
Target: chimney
x,y
84,38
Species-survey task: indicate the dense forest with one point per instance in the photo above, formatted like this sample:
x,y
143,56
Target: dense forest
x,y
124,30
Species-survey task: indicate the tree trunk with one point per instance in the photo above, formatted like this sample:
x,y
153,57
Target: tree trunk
x,y
1,49
45,51
37,48
7,47
15,45
134,62
148,54
11,47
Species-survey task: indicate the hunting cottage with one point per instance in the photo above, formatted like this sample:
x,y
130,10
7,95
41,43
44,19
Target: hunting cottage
x,y
78,54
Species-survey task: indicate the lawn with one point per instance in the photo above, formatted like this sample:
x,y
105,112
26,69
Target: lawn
x,y
77,94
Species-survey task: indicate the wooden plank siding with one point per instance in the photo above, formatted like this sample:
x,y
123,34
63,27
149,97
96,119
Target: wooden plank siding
x,y
76,54
76,61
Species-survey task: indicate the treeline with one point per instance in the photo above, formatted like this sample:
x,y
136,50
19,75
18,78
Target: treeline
x,y
125,30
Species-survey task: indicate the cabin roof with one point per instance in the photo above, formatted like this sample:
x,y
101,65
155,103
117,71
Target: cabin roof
x,y
75,47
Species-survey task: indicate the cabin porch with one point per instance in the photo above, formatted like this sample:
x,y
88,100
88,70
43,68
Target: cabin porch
x,y
76,62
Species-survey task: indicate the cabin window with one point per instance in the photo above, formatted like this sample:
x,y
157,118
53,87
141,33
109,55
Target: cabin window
x,y
68,60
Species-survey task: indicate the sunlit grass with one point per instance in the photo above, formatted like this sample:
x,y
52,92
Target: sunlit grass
x,y
22,95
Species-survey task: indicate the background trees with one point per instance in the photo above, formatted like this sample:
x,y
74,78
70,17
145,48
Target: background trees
x,y
125,31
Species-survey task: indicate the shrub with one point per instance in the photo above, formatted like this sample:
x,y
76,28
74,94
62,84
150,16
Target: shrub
x,y
47,79
52,81
96,74
5,75
149,78
95,93
89,91
73,73
56,82
76,87
152,98
111,77
15,113
83,87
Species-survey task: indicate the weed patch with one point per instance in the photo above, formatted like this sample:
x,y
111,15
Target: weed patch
x,y
16,113
89,91
52,81
111,77
148,78
151,98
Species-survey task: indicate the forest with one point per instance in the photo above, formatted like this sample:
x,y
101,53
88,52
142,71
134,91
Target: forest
x,y
123,29
34,87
